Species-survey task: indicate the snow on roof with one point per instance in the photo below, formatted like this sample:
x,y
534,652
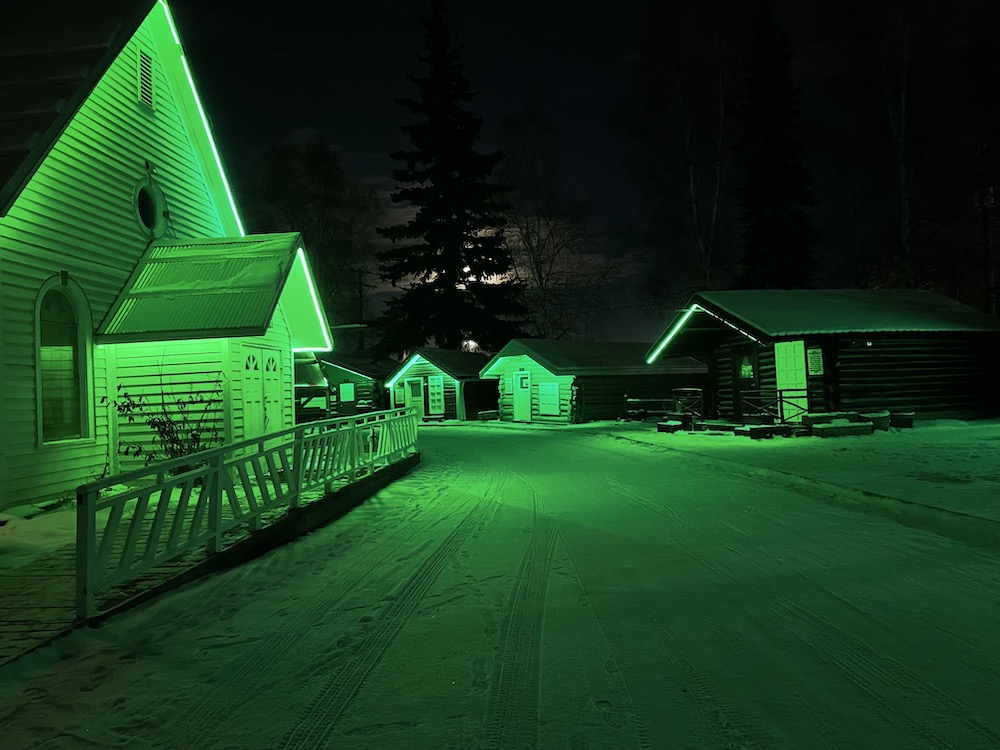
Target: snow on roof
x,y
460,365
210,287
780,313
594,357
362,363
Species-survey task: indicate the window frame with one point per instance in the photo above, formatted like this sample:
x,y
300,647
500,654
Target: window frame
x,y
84,332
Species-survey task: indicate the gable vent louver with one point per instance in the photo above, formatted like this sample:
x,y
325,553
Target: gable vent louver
x,y
145,79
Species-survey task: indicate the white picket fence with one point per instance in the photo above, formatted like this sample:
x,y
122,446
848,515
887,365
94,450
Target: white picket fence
x,y
130,523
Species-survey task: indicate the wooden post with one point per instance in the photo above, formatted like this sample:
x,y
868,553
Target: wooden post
x,y
86,549
295,499
215,503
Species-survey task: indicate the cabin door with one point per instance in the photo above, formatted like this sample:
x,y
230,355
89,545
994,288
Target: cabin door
x,y
790,374
413,395
261,391
745,380
435,395
522,396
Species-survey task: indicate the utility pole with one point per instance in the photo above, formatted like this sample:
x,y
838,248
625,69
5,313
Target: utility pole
x,y
984,202
361,309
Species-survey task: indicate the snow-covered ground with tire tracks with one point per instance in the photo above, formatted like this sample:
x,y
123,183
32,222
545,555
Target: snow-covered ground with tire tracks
x,y
601,586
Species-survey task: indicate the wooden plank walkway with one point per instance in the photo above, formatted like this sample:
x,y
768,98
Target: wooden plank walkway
x,y
38,600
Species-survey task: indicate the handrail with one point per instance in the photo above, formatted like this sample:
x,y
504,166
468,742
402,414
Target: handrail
x,y
153,515
774,404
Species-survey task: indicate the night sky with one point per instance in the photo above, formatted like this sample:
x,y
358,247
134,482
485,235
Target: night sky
x,y
269,68
266,69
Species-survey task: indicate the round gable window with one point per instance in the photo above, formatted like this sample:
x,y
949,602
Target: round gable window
x,y
150,207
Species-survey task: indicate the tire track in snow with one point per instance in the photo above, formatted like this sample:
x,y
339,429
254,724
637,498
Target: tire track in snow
x,y
318,719
870,671
609,623
874,673
912,584
512,706
229,685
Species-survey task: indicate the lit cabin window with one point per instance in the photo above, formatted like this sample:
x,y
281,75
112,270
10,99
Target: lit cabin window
x,y
61,378
145,79
746,368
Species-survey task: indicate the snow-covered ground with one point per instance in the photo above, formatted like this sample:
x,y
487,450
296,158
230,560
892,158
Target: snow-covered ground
x,y
601,586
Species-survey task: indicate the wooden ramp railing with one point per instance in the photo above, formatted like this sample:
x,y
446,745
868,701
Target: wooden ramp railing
x,y
130,523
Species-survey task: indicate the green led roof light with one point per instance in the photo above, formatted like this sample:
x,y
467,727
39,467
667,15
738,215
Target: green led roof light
x,y
682,321
170,21
413,360
674,330
204,118
327,345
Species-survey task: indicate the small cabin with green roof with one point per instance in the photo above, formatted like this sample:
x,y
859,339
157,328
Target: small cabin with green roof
x,y
564,382
784,353
124,266
442,384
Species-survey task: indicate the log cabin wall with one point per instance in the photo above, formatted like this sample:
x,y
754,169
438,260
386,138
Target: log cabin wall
x,y
929,375
603,396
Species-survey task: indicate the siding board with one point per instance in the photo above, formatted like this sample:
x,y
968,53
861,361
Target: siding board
x,y
76,214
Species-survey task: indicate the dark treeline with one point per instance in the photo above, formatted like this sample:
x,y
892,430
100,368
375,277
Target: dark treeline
x,y
892,118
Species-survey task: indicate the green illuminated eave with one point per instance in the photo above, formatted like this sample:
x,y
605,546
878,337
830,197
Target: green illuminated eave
x,y
412,361
219,287
681,323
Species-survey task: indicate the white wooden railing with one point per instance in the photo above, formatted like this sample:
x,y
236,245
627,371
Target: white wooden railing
x,y
132,522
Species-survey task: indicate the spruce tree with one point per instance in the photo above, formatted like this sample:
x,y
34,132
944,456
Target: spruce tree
x,y
449,258
776,190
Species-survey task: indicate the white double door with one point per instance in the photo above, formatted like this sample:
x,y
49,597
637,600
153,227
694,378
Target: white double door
x,y
261,391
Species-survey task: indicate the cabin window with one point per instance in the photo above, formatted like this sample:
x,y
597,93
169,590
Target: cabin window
x,y
746,368
62,326
145,76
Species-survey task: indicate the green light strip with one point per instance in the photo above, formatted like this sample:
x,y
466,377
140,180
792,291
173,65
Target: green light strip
x,y
170,21
734,327
348,369
211,142
674,330
301,258
413,360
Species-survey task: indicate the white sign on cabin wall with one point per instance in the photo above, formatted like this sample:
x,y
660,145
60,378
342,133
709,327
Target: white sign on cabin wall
x,y
814,361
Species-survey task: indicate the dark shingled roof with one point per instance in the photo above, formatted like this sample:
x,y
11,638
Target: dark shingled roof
x,y
460,365
52,54
595,358
359,362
